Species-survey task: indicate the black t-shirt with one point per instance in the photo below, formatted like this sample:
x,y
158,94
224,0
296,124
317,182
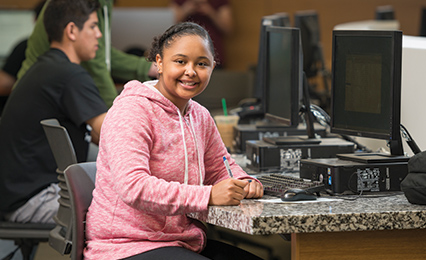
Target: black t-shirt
x,y
15,59
52,88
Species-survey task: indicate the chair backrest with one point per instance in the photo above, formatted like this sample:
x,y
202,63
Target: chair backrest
x,y
60,143
80,180
63,151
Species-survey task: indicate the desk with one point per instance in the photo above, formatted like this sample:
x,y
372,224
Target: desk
x,y
365,228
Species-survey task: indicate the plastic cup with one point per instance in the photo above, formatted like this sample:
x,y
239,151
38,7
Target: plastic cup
x,y
225,125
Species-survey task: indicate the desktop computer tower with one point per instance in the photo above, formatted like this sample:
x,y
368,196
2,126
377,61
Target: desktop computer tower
x,y
264,156
340,176
246,132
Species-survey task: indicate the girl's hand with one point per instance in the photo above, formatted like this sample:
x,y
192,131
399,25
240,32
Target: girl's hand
x,y
254,190
228,192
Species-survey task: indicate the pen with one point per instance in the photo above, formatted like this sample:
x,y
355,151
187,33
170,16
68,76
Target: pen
x,y
227,167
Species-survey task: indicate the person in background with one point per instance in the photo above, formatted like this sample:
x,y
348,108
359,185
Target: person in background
x,y
109,62
56,86
160,158
9,72
214,15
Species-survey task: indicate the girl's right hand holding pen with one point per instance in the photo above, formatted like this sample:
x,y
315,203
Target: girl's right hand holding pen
x,y
228,192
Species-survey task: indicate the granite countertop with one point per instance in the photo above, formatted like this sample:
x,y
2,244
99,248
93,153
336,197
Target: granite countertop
x,y
377,211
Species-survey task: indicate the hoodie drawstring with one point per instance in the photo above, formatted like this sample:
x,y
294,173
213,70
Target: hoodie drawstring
x,y
184,147
107,36
186,151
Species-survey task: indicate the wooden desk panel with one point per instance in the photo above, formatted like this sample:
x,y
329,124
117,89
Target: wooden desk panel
x,y
377,245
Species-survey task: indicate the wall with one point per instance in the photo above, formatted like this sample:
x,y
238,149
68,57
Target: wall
x,y
413,89
242,45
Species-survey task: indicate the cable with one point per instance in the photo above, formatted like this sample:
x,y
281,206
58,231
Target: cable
x,y
410,141
322,117
367,196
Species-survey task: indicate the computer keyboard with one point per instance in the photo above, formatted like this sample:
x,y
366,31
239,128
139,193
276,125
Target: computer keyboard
x,y
277,184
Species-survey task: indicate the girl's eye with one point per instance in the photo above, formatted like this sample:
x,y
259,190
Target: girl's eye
x,y
180,61
202,64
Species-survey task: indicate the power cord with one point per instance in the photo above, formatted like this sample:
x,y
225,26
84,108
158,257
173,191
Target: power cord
x,y
324,119
321,116
410,141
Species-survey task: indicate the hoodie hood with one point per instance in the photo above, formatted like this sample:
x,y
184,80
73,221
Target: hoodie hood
x,y
148,90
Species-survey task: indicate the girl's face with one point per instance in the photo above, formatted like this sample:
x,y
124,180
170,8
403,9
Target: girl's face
x,y
185,69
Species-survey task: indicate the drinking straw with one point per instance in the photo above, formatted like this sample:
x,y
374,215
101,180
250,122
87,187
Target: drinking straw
x,y
225,110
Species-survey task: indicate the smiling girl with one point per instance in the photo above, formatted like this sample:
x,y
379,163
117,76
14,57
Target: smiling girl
x,y
160,158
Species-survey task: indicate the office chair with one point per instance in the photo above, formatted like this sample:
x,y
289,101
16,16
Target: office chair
x,y
80,179
25,235
63,151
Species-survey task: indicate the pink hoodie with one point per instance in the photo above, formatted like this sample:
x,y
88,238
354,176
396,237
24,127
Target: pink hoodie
x,y
154,167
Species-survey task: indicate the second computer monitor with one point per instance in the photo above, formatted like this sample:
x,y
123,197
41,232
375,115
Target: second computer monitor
x,y
366,87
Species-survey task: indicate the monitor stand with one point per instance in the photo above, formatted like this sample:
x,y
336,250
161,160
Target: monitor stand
x,y
396,154
269,124
373,157
290,140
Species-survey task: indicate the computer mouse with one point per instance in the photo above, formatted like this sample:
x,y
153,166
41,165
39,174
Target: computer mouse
x,y
297,194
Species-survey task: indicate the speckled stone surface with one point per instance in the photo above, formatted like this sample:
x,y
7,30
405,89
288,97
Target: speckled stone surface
x,y
369,212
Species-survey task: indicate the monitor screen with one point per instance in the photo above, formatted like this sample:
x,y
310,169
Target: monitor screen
x,y
279,19
366,85
283,77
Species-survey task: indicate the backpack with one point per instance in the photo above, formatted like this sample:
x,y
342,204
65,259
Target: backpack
x,y
414,184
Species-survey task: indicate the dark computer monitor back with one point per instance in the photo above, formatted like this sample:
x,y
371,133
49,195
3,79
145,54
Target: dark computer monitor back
x,y
282,79
366,86
308,23
385,12
423,22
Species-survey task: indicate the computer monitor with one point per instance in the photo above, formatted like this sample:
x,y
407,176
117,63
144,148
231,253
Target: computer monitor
x,y
423,22
366,89
385,12
308,23
313,57
284,79
278,19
